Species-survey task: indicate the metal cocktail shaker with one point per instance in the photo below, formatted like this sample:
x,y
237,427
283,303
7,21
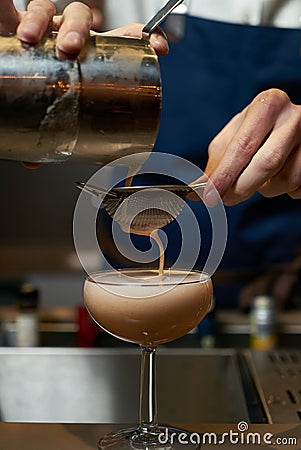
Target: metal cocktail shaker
x,y
100,107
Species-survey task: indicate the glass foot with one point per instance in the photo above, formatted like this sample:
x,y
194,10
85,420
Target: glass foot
x,y
158,438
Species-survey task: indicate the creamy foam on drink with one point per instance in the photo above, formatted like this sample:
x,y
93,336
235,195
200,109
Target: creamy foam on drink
x,y
145,308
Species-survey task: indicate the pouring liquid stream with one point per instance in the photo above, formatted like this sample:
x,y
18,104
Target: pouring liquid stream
x,y
151,233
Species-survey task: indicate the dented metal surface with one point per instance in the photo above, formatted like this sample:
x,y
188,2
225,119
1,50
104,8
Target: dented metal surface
x,y
102,106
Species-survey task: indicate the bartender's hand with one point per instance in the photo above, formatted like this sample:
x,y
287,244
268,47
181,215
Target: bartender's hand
x,y
73,26
258,150
158,38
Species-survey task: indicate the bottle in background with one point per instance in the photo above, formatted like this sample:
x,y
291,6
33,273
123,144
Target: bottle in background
x,y
27,321
263,335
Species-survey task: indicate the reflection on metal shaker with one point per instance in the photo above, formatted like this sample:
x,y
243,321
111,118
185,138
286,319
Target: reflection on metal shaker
x,y
100,107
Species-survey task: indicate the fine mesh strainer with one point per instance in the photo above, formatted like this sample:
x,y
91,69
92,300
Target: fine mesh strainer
x,y
142,209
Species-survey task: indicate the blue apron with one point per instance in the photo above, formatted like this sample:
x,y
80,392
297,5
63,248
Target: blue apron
x,y
209,76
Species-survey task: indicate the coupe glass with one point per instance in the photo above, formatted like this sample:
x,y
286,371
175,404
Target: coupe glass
x,y
142,307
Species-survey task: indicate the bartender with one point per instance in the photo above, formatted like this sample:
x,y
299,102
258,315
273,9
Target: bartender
x,y
225,55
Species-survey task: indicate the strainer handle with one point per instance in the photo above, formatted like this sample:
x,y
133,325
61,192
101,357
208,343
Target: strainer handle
x,y
93,190
160,16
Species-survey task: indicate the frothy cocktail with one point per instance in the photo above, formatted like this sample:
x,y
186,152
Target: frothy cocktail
x,y
143,307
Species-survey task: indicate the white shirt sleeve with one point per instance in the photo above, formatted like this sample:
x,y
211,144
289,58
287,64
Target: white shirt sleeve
x,y
121,12
285,13
21,4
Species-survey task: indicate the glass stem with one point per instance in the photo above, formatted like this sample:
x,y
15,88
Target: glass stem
x,y
148,389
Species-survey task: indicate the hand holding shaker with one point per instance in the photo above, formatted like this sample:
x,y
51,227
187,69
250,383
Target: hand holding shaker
x,y
104,105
